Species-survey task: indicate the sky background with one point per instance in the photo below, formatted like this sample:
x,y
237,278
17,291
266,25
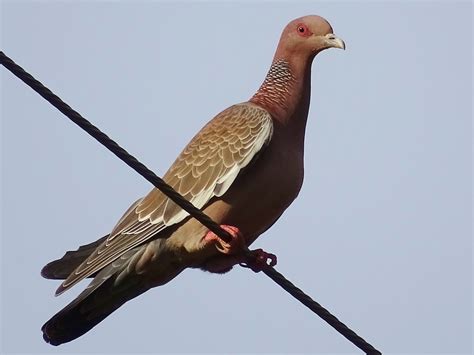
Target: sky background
x,y
381,233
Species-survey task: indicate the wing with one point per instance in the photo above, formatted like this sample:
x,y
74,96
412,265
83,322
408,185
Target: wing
x,y
204,169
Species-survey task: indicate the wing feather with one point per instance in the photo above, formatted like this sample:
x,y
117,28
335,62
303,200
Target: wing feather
x,y
207,167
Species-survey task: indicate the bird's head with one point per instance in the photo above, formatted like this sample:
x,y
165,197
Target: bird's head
x,y
307,36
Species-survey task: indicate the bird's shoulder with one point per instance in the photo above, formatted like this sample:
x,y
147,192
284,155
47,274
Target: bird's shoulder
x,y
235,121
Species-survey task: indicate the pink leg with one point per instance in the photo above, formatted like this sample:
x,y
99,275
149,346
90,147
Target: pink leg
x,y
235,246
234,253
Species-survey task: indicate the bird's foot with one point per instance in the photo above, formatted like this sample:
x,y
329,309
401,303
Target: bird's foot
x,y
259,259
236,252
235,246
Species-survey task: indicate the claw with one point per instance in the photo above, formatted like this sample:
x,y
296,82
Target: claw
x,y
259,259
235,246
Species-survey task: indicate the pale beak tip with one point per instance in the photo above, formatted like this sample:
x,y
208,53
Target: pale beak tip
x,y
335,41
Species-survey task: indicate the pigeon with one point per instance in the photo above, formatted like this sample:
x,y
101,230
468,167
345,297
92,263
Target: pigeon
x,y
243,169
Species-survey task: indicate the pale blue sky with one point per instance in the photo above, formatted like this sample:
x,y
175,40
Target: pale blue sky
x,y
380,234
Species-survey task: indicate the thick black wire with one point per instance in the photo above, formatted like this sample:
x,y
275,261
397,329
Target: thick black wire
x,y
179,200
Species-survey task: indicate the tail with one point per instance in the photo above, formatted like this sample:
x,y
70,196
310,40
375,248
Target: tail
x,y
60,269
89,309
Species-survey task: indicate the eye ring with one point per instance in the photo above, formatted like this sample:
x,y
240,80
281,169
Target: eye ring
x,y
303,30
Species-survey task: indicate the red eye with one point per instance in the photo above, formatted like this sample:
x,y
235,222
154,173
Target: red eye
x,y
302,30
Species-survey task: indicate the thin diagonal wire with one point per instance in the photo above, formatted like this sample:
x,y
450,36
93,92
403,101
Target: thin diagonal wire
x,y
140,168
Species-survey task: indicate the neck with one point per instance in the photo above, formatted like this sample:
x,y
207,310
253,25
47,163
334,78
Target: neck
x,y
285,92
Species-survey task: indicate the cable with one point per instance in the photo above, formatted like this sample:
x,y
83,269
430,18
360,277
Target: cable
x,y
140,168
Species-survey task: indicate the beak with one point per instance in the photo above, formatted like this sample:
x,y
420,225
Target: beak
x,y
333,41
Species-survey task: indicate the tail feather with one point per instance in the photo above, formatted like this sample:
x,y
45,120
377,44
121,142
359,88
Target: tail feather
x,y
84,313
60,269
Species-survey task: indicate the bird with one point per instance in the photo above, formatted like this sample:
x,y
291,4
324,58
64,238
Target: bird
x,y
243,169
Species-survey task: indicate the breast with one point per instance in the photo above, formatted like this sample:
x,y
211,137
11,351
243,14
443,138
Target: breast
x,y
262,192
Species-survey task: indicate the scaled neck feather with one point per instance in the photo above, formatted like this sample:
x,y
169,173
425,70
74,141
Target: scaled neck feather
x,y
285,91
276,87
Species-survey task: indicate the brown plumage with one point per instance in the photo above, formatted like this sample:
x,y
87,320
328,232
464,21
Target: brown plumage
x,y
253,149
